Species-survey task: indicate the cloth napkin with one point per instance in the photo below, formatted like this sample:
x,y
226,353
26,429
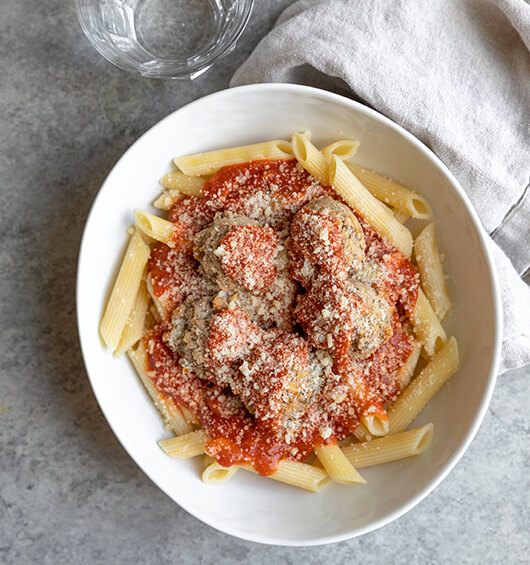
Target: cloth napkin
x,y
456,74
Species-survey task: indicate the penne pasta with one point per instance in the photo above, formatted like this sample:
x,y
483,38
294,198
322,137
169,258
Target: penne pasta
x,y
155,227
188,416
168,199
393,193
124,292
389,448
185,446
355,194
207,460
337,465
155,313
400,216
166,406
160,309
405,373
298,474
431,271
343,149
134,327
423,387
310,158
215,474
375,424
427,325
185,184
211,162
360,433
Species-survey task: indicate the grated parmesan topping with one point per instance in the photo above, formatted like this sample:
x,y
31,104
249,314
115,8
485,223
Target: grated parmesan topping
x,y
248,255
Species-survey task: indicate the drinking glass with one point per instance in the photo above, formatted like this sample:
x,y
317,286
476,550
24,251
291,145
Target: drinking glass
x,y
176,39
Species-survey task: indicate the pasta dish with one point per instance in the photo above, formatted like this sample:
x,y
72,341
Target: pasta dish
x,y
282,318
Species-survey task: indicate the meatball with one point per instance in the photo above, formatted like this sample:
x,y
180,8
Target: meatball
x,y
230,338
351,230
272,371
376,326
275,307
347,318
325,236
278,379
190,325
237,253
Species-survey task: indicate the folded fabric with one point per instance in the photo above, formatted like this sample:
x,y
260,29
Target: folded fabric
x,y
456,74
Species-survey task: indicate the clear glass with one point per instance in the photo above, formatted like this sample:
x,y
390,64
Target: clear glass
x,y
177,39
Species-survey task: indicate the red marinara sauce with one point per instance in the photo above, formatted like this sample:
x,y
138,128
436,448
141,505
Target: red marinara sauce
x,y
271,193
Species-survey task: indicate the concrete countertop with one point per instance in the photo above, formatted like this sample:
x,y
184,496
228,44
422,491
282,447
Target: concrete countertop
x,y
68,491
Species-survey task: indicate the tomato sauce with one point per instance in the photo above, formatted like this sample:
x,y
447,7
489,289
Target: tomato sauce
x,y
267,191
269,394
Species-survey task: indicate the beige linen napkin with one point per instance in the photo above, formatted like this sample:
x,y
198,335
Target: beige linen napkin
x,y
456,74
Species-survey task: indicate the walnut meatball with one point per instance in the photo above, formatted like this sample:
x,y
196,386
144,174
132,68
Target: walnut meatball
x,y
325,237
237,253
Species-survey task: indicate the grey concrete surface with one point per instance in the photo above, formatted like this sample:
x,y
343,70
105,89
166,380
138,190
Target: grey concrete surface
x,y
68,491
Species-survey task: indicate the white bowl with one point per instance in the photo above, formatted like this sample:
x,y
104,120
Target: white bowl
x,y
249,506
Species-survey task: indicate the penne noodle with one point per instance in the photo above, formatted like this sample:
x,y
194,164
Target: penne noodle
x,y
207,460
211,162
298,474
155,227
355,194
392,193
155,313
406,372
168,199
310,158
160,309
177,423
134,328
215,474
375,424
427,325
185,184
166,406
431,271
337,465
400,216
188,415
124,292
343,149
423,387
150,321
389,448
360,433
185,446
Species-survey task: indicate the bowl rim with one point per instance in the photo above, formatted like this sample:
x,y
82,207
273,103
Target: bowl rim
x,y
493,281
